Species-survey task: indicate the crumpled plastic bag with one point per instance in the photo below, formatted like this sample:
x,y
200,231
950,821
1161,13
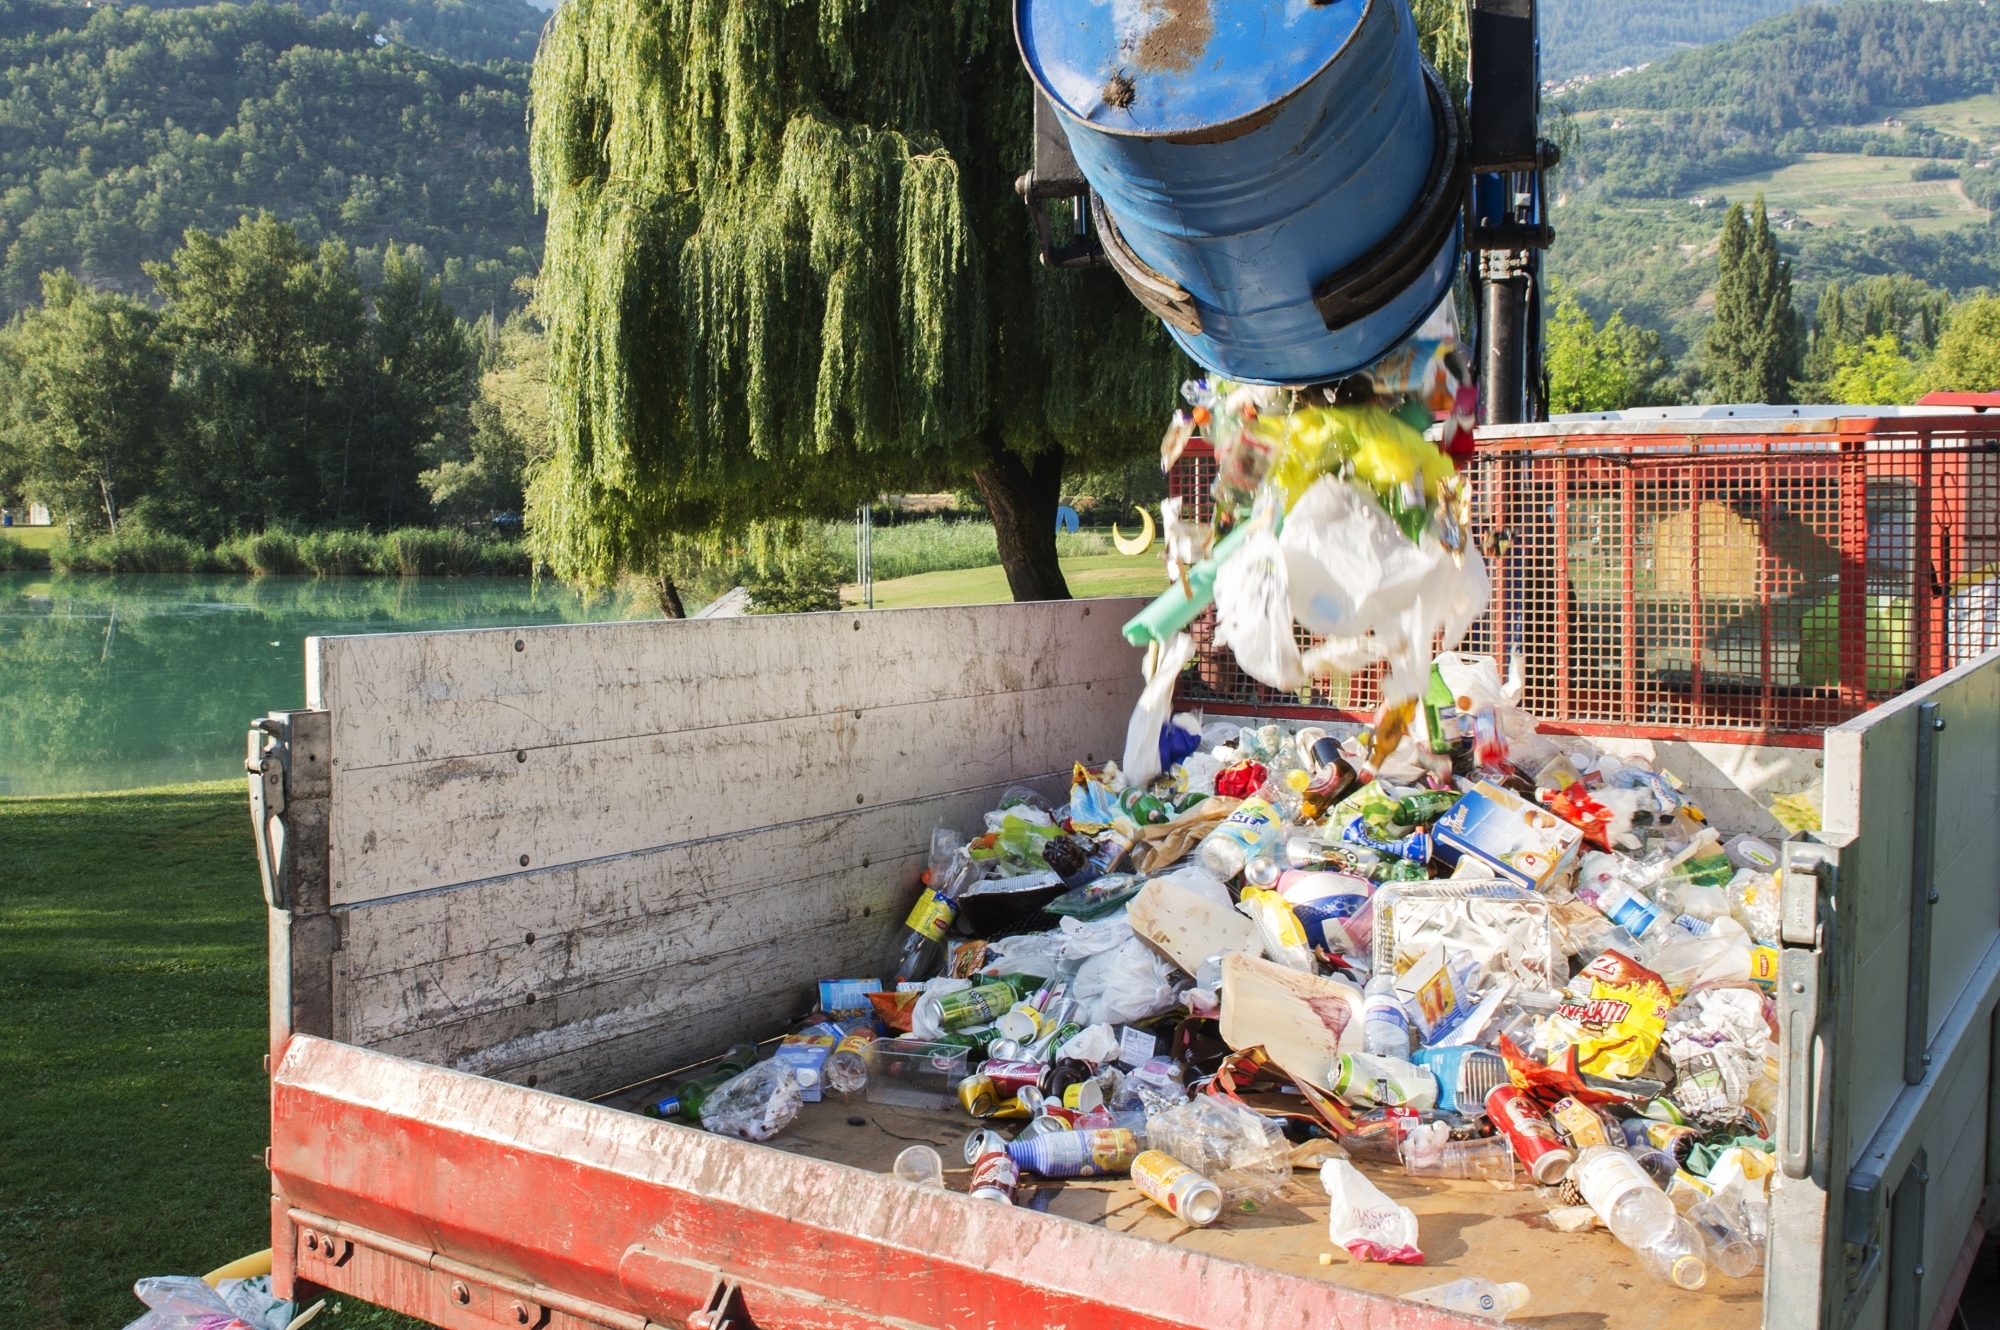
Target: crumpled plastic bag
x,y
1154,709
1241,1151
184,1302
756,1105
1253,614
1127,983
1092,1044
1081,939
1038,954
1353,576
1364,1221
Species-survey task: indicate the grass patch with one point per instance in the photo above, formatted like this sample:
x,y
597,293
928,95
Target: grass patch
x,y
1089,577
132,971
33,537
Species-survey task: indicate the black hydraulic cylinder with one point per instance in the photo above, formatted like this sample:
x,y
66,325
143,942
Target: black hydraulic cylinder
x,y
1503,293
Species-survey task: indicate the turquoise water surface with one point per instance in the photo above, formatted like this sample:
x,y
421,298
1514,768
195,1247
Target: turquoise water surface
x,y
110,683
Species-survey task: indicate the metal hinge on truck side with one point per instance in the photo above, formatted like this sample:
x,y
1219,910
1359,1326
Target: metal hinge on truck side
x,y
289,764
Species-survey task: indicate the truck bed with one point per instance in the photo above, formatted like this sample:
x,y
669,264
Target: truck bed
x,y
1579,1281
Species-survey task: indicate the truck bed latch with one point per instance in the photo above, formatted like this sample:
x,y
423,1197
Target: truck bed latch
x,y
725,1309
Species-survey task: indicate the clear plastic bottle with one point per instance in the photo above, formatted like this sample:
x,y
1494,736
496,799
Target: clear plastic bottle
x,y
1490,1158
1677,1255
1639,1214
1474,1297
846,1068
1385,1028
951,871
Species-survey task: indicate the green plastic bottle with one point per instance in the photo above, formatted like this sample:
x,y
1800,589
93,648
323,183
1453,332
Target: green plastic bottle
x,y
685,1099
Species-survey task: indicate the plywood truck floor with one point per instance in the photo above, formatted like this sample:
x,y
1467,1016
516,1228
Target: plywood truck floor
x,y
1579,1281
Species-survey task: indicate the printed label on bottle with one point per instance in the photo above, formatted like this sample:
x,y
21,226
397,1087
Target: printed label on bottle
x,y
932,915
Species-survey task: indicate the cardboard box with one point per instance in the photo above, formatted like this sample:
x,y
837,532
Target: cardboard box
x,y
1520,842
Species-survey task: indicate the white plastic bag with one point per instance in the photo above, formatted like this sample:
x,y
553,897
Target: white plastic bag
x,y
1127,983
184,1302
1155,708
1376,595
1081,939
1253,613
1364,1221
1093,1044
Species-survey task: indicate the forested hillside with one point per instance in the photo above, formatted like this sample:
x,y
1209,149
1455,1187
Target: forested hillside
x,y
1601,36
121,129
1863,122
471,30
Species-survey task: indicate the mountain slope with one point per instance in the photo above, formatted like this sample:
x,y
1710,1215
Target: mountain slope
x,y
1600,36
120,129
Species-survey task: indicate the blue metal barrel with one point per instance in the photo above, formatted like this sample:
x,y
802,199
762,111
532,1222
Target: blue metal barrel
x,y
1279,180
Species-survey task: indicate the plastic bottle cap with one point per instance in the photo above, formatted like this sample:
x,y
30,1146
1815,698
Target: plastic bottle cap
x,y
807,1076
1517,1294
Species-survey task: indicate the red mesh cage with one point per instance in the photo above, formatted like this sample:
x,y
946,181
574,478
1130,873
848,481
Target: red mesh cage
x,y
1742,582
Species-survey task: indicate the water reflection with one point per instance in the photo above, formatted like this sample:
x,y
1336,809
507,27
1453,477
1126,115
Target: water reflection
x,y
116,682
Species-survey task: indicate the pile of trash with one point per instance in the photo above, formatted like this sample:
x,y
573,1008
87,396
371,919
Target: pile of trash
x,y
1442,943
1491,954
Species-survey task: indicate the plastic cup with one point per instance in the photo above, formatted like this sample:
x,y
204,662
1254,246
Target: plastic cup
x,y
921,1165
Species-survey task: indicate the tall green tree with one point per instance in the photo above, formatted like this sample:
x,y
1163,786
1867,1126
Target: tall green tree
x,y
1598,368
1753,345
87,383
1968,354
786,269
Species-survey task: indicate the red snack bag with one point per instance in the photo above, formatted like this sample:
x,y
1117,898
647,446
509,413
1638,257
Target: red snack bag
x,y
1242,780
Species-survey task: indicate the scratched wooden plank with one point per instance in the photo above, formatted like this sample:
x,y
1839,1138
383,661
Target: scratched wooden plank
x,y
422,825
409,697
448,959
753,759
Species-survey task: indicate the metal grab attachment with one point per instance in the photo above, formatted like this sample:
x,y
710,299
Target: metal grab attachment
x,y
1159,293
1389,269
1052,176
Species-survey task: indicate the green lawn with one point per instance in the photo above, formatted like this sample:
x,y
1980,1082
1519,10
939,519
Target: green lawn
x,y
1088,577
132,982
33,537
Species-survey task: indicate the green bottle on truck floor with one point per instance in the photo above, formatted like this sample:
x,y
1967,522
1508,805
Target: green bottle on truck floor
x,y
684,1100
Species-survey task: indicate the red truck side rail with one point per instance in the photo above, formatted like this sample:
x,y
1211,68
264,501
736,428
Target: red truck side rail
x,y
470,1202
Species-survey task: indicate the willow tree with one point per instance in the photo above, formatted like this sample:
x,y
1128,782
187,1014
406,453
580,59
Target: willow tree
x,y
786,270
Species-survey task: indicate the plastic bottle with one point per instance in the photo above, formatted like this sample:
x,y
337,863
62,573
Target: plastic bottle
x,y
1677,1255
846,1068
950,871
1385,1028
1474,1297
1639,1214
1225,850
684,1100
1489,1157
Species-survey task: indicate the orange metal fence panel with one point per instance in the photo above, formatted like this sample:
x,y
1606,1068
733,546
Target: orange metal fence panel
x,y
1705,580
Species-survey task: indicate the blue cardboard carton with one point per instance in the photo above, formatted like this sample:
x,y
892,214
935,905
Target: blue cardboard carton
x,y
1521,842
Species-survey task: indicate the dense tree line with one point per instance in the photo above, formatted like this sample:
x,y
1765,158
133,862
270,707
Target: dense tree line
x,y
1824,65
120,129
273,387
1592,37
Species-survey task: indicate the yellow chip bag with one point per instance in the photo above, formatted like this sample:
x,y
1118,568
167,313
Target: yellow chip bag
x,y
1612,1015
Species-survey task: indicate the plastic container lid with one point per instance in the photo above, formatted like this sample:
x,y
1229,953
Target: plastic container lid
x,y
1177,65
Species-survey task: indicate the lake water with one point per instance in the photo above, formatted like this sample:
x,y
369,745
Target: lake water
x,y
110,683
